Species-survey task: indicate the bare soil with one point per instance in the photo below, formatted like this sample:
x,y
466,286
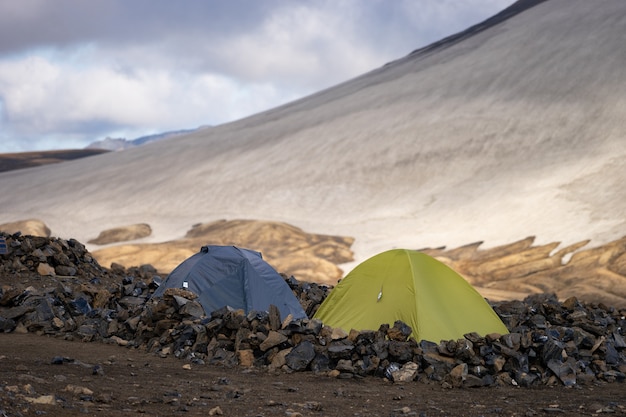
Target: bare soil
x,y
103,379
21,160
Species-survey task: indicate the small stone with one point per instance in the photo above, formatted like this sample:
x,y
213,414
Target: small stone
x,y
57,360
564,371
458,375
287,320
406,373
80,306
338,334
278,361
119,341
619,340
57,323
43,399
63,270
320,363
104,398
400,351
472,381
6,325
12,388
216,411
193,309
314,326
553,350
44,269
492,337
245,357
353,335
29,389
577,315
399,332
273,339
313,405
97,370
498,363
274,317
78,390
570,303
345,365
300,356
340,350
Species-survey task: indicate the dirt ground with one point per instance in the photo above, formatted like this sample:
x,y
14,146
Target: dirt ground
x,y
41,375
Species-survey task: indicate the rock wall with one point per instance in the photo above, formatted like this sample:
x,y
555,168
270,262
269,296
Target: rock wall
x,y
550,342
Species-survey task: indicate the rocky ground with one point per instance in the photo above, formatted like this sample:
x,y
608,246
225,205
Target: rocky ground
x,y
77,338
42,375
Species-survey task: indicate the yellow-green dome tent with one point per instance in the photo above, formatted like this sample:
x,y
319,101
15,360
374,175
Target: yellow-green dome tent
x,y
415,288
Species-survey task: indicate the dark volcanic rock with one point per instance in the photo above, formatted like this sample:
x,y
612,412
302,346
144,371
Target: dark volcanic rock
x,y
569,343
301,356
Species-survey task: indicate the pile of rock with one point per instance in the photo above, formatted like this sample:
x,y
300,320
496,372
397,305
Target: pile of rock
x,y
45,256
550,342
50,284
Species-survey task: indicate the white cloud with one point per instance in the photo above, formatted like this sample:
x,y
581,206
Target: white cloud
x,y
85,80
44,96
25,86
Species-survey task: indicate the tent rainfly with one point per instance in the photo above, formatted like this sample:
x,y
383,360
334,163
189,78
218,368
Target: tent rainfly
x,y
228,276
400,284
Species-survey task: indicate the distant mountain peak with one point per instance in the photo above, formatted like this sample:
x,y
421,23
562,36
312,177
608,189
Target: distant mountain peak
x,y
118,144
110,144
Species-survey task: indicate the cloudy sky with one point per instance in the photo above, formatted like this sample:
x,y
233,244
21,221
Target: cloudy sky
x,y
76,71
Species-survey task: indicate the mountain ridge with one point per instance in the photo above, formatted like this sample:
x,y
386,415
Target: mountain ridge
x,y
117,144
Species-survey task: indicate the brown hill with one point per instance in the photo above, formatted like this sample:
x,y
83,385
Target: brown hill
x,y
596,274
32,227
309,257
21,160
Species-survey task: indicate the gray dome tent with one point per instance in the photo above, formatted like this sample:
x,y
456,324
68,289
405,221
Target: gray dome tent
x,y
238,278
